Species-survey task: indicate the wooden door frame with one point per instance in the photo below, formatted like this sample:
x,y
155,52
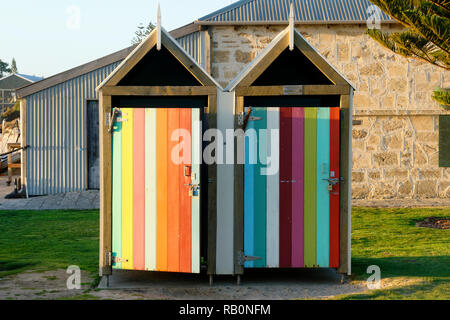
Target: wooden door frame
x,y
106,95
345,91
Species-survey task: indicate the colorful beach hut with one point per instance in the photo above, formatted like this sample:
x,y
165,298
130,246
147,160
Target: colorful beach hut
x,y
295,112
155,201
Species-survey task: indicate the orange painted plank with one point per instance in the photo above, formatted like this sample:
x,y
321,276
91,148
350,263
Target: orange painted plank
x,y
139,189
173,189
161,182
185,199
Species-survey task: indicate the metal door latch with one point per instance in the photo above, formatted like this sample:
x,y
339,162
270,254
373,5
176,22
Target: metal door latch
x,y
115,259
242,258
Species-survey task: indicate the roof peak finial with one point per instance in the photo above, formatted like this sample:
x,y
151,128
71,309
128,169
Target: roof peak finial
x,y
291,27
158,28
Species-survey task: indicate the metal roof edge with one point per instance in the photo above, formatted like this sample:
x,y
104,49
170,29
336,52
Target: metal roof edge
x,y
225,9
72,73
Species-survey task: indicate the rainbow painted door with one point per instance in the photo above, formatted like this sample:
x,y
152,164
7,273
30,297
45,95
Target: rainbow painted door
x,y
156,190
291,188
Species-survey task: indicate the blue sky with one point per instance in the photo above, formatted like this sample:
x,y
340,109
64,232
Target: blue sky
x,y
45,38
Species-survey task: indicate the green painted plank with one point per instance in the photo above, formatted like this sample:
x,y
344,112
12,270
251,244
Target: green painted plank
x,y
117,192
310,187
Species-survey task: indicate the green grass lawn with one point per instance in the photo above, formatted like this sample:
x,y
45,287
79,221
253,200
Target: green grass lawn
x,y
388,238
48,240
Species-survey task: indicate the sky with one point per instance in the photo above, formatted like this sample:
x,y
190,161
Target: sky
x,y
51,36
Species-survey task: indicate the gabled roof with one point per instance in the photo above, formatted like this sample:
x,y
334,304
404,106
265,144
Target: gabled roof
x,y
15,80
306,12
279,44
148,44
73,73
30,78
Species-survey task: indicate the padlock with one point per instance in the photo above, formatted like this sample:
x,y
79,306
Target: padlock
x,y
330,187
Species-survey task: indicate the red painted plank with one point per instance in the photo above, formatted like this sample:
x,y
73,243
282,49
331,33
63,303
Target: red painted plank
x,y
139,190
285,187
334,195
298,186
185,199
173,194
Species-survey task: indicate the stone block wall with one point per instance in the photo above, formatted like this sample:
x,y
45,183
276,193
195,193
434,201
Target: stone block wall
x,y
395,149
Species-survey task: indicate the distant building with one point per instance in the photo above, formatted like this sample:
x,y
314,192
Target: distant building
x,y
9,85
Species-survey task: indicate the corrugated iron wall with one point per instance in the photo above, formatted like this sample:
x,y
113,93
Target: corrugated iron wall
x,y
56,128
56,133
195,45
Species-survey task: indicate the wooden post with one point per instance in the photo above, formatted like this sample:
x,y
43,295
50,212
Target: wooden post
x,y
23,137
105,185
212,192
346,185
238,194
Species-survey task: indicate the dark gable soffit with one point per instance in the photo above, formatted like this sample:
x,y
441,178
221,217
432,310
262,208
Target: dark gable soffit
x,y
93,65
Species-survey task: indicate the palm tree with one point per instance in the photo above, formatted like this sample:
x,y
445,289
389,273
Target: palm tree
x,y
426,37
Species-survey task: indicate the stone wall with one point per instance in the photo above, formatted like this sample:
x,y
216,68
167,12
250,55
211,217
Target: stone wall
x,y
395,149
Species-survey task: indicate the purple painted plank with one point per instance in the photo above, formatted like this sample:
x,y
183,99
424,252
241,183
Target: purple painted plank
x,y
298,186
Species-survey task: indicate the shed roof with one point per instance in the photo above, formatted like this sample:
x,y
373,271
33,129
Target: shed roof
x,y
312,54
149,43
306,11
17,80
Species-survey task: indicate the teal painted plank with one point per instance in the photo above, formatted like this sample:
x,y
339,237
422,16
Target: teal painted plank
x,y
260,183
323,194
249,187
117,192
196,161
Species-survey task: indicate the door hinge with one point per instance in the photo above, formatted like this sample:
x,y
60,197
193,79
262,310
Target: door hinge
x,y
241,119
108,259
242,258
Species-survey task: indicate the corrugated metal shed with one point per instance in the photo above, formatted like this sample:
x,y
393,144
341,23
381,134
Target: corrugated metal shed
x,y
56,133
57,122
306,11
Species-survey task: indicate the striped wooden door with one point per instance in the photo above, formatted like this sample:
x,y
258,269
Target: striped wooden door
x,y
156,190
291,215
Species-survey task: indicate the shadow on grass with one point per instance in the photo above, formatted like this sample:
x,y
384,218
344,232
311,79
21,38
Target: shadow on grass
x,y
431,266
13,267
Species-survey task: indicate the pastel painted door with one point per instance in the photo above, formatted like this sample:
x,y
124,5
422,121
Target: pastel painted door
x,y
156,190
291,188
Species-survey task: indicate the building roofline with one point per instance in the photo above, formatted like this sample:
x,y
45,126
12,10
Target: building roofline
x,y
93,65
17,75
73,73
285,23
